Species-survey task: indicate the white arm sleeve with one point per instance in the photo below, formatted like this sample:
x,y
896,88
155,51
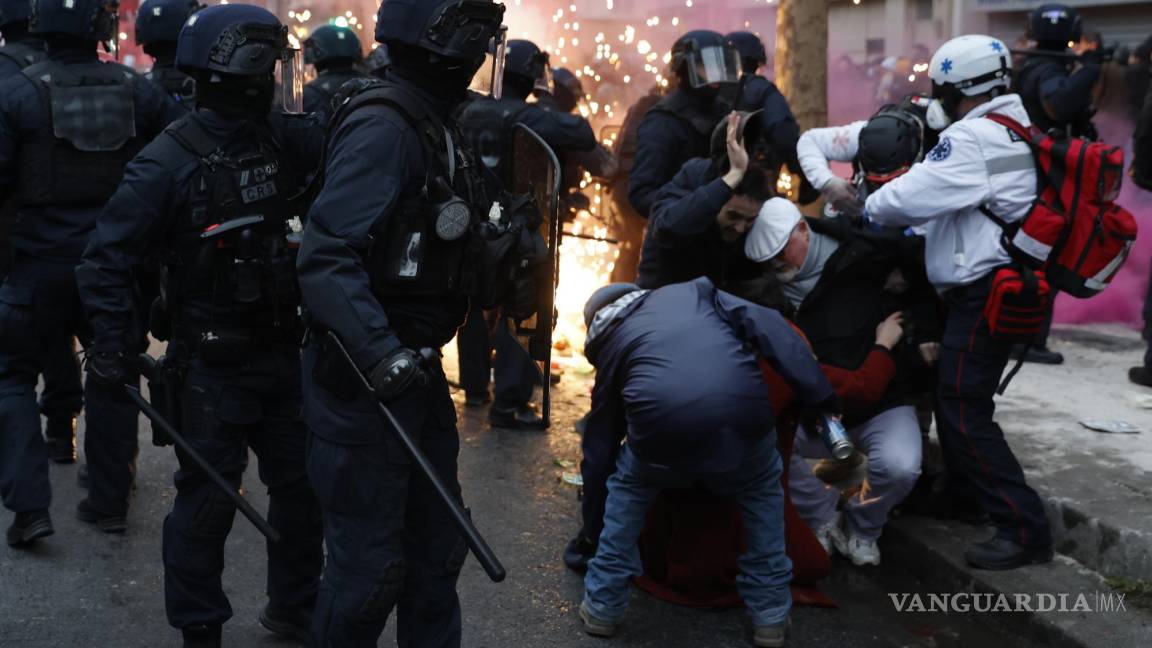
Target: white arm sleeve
x,y
819,146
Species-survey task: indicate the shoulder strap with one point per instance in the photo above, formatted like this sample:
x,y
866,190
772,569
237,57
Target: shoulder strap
x,y
364,92
192,137
1016,127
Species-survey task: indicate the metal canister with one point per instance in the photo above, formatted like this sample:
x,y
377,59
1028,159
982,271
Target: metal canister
x,y
835,437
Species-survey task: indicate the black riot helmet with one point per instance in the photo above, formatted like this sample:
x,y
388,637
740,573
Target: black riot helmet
x,y
14,11
566,89
234,51
332,45
442,41
91,20
1054,26
704,58
751,48
160,21
526,69
890,143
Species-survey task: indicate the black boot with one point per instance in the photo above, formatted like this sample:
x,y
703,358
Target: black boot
x,y
60,436
292,623
1140,376
1000,554
515,418
29,526
106,523
201,636
1038,355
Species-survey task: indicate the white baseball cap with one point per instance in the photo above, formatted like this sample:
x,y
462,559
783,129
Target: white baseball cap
x,y
773,226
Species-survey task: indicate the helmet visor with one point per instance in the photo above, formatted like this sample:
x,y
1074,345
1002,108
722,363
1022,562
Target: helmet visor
x,y
290,78
544,81
713,65
488,81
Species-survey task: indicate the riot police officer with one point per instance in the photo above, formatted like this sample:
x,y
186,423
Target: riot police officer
x,y
1055,86
489,123
215,192
335,53
68,125
706,67
781,131
158,24
382,267
21,48
1057,92
63,394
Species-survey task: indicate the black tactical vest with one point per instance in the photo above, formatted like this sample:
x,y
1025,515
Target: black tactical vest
x,y
687,109
327,84
23,54
418,251
231,257
91,136
175,83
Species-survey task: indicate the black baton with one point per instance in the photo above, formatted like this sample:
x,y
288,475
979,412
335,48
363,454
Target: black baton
x,y
241,503
472,537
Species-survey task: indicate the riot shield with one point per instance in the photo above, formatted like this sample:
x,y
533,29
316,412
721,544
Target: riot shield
x,y
535,170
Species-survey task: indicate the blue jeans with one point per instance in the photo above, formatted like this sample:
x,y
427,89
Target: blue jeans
x,y
765,570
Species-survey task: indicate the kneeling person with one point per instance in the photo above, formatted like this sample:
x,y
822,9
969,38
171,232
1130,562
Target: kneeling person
x,y
650,349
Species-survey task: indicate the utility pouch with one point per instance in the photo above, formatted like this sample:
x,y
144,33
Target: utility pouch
x,y
1017,304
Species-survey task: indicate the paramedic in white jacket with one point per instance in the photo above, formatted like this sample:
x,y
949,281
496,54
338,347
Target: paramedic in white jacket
x,y
976,163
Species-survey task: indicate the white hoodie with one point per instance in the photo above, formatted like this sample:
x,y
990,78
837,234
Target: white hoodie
x,y
977,162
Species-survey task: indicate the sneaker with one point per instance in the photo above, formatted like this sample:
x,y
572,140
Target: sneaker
x,y
29,527
516,418
831,537
201,636
769,636
294,624
862,551
596,627
106,523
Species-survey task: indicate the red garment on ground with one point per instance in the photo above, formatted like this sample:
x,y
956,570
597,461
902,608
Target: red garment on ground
x,y
691,539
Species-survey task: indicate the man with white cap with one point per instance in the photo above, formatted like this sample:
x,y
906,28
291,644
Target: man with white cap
x,y
978,167
650,349
839,280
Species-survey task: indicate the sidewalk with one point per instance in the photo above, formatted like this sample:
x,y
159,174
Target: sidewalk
x,y
1097,488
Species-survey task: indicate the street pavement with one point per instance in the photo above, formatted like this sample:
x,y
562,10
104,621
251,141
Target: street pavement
x,y
86,589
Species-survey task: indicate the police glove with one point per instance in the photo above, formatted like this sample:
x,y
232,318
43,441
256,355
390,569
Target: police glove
x,y
397,372
110,368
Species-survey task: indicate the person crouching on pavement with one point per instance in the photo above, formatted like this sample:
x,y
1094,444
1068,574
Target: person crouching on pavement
x,y
678,381
843,284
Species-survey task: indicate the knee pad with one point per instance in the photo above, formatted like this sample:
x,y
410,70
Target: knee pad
x,y
383,596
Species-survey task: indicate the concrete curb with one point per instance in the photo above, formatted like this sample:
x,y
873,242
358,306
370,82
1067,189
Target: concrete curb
x,y
933,551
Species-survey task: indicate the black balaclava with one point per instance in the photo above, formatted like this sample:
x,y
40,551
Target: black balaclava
x,y
163,51
444,78
235,96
